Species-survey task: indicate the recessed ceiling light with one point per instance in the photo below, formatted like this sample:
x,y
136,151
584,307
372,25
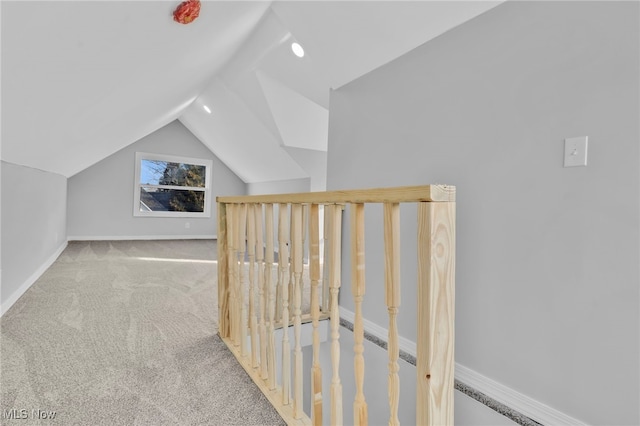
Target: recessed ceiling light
x,y
297,49
206,108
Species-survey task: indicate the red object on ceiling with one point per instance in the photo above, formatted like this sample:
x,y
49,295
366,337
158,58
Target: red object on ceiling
x,y
187,11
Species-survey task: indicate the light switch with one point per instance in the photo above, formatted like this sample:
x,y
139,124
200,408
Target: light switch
x,y
575,151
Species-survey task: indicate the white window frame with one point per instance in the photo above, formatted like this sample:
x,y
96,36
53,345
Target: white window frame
x,y
208,164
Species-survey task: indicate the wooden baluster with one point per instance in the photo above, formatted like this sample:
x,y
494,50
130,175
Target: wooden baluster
x,y
291,278
305,225
436,293
314,275
358,289
278,293
262,297
334,285
305,228
283,276
296,263
325,265
233,272
392,299
224,281
280,281
271,295
251,250
241,244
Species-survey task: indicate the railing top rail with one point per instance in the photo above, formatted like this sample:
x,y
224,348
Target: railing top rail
x,y
401,194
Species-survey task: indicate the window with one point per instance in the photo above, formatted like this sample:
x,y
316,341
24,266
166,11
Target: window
x,y
169,186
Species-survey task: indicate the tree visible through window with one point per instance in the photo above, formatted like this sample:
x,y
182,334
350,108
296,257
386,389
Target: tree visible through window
x,y
171,186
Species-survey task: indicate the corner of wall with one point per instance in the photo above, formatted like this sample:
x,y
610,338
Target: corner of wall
x,y
13,298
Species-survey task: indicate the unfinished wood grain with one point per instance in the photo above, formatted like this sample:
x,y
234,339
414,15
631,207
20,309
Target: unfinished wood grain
x,y
296,266
283,278
325,271
233,271
291,279
251,253
392,299
335,239
314,276
271,295
273,395
262,296
224,292
360,416
399,194
306,318
241,243
436,313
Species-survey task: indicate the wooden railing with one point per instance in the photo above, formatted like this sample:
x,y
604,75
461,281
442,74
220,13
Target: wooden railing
x,y
253,305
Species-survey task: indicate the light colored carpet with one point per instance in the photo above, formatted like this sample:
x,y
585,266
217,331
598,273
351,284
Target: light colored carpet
x,y
124,332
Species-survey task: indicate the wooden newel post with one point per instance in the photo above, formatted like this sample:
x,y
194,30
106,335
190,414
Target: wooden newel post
x,y
436,294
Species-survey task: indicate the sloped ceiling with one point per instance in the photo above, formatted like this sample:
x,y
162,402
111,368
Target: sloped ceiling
x,y
81,80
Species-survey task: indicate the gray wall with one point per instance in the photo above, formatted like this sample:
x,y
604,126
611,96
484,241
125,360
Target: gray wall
x,y
101,196
279,186
34,224
547,267
314,163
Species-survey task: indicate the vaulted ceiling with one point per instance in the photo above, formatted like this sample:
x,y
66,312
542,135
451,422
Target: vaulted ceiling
x,y
83,79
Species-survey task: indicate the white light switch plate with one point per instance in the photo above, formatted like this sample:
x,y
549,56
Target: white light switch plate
x,y
575,151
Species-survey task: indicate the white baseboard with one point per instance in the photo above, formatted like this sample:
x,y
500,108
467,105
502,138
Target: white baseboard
x,y
32,279
530,407
513,399
140,237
